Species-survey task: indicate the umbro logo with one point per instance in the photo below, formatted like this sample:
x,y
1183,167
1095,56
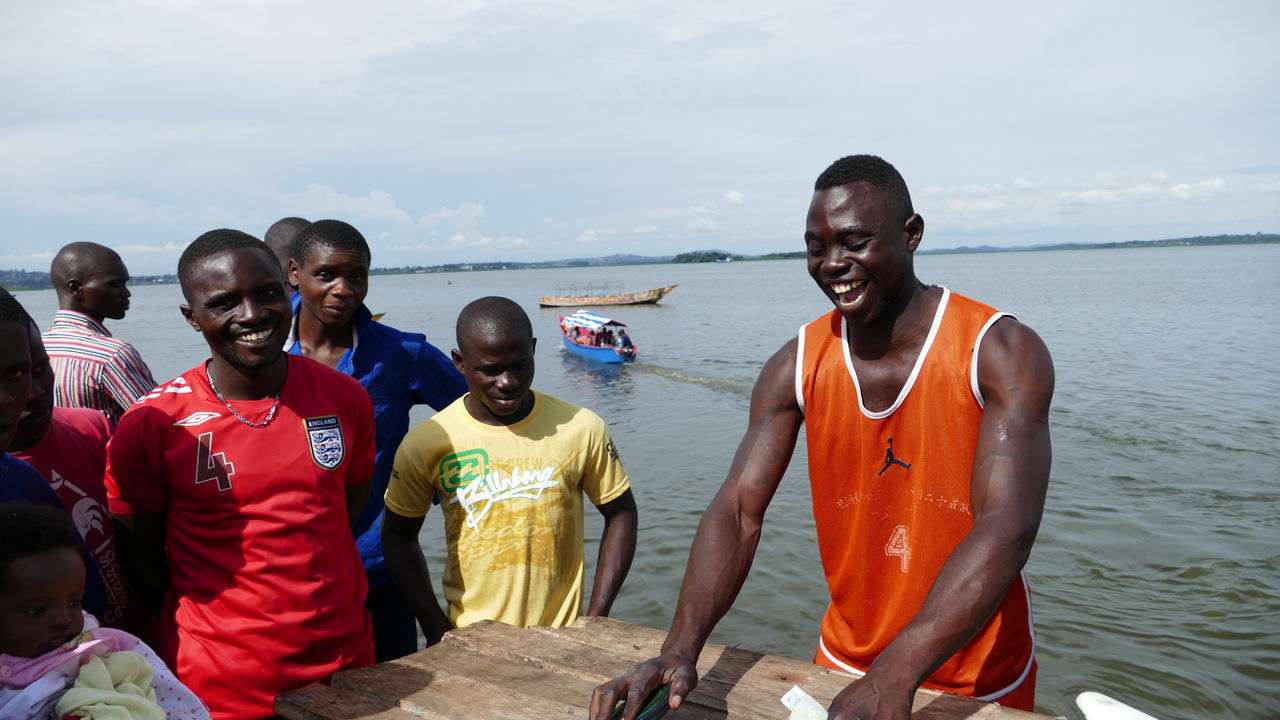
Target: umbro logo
x,y
197,418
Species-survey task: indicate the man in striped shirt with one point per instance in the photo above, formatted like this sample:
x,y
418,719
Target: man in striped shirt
x,y
91,368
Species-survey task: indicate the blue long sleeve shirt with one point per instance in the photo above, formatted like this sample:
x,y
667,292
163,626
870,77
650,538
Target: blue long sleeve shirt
x,y
398,370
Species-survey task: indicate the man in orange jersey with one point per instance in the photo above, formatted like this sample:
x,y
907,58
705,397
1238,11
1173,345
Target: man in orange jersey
x,y
926,419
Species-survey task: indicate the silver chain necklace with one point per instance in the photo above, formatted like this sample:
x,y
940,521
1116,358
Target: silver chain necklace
x,y
271,414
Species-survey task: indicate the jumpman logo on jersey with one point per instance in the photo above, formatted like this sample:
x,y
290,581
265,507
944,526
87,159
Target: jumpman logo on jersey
x,y
890,460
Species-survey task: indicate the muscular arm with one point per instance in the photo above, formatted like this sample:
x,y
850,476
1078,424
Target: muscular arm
x,y
1010,478
617,548
724,545
140,539
408,569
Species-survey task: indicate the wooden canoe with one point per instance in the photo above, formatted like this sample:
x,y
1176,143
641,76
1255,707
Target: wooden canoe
x,y
491,671
642,297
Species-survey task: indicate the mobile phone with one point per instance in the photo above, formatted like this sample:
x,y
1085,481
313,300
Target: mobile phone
x,y
655,706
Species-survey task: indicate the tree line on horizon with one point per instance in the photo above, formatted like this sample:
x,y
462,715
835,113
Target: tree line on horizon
x,y
15,280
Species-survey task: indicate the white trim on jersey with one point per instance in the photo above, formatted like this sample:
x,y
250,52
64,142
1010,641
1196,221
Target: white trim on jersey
x,y
915,371
800,369
973,362
822,646
990,697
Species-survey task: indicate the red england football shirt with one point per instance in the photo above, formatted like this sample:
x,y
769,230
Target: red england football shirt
x,y
268,590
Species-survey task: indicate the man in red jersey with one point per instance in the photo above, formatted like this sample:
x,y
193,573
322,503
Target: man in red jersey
x,y
69,448
247,471
926,418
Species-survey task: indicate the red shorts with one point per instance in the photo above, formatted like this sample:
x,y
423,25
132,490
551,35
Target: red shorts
x,y
1021,697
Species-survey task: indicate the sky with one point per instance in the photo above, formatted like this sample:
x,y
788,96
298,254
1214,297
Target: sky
x,y
476,130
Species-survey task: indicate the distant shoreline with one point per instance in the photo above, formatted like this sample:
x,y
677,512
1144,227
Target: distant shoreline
x,y
17,280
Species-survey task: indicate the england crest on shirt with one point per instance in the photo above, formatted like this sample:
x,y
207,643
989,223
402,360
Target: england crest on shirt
x,y
324,434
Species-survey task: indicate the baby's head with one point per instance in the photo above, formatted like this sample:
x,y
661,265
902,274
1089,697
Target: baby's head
x,y
41,579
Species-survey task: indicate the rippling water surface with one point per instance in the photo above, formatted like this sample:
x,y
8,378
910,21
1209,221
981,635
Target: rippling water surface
x,y
1156,571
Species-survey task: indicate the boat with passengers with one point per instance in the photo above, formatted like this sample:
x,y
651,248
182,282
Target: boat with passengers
x,y
596,337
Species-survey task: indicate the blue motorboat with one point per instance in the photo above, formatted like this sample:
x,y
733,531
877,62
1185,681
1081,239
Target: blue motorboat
x,y
596,337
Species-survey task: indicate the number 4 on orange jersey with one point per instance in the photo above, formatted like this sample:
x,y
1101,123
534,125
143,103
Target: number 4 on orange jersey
x,y
899,546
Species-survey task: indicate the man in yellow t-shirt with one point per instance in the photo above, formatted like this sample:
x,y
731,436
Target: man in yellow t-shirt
x,y
509,466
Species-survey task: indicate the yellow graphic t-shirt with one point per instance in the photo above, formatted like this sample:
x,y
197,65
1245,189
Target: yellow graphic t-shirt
x,y
512,502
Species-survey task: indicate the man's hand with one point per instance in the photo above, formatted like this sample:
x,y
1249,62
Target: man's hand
x,y
868,699
636,686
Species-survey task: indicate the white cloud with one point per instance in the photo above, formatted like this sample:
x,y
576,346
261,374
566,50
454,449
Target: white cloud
x,y
684,212
595,234
32,260
1203,189
703,224
646,230
467,214
169,248
322,201
103,207
735,197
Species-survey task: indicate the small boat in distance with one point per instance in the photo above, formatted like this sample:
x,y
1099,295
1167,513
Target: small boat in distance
x,y
596,337
582,295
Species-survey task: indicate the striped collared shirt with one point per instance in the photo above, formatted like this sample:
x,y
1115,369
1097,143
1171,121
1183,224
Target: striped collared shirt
x,y
91,368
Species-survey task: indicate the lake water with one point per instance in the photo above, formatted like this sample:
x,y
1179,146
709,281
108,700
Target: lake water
x,y
1156,574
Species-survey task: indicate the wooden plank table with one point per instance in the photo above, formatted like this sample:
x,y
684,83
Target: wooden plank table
x,y
491,671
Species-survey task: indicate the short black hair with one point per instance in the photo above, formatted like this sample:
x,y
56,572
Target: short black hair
x,y
493,316
329,233
284,230
28,529
870,169
212,243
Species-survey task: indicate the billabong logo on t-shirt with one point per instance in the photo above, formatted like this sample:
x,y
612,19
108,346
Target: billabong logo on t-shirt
x,y
476,488
324,434
462,468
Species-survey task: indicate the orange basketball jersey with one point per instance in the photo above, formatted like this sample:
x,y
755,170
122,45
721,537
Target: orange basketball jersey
x,y
891,498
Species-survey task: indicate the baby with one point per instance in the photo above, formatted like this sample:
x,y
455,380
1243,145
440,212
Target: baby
x,y
55,661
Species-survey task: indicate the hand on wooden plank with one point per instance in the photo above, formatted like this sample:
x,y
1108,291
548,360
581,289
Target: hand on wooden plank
x,y
634,687
867,699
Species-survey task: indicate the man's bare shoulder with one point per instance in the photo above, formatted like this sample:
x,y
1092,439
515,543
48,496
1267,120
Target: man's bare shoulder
x,y
775,386
1011,338
1014,361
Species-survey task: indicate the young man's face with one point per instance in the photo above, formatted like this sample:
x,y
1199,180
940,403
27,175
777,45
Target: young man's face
x,y
333,283
236,299
104,292
859,248
15,378
38,413
40,601
499,374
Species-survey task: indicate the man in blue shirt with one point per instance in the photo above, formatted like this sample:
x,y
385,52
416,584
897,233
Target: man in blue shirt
x,y
330,266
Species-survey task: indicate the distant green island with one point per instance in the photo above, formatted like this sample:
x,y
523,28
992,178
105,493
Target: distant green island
x,y
26,280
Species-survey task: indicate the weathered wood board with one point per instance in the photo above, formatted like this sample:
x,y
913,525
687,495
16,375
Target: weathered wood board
x,y
491,671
